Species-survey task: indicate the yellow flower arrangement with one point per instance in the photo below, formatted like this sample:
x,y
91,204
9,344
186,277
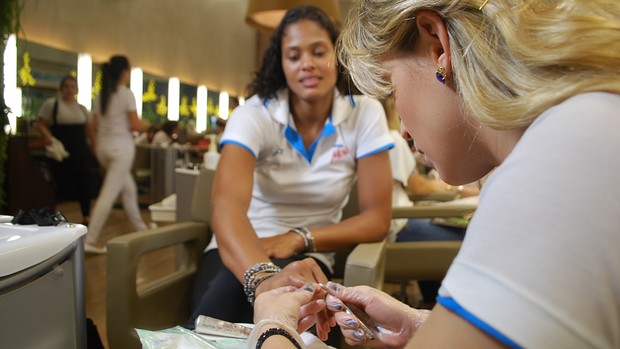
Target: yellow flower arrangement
x,y
25,72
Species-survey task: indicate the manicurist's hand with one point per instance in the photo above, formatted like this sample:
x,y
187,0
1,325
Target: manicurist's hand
x,y
298,274
395,322
295,307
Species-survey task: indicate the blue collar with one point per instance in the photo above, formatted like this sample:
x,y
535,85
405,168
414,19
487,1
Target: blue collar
x,y
294,138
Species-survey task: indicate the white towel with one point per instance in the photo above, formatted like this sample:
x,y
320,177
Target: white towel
x,y
56,150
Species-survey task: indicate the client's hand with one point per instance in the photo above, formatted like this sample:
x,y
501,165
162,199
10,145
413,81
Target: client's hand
x,y
282,246
395,322
298,274
296,307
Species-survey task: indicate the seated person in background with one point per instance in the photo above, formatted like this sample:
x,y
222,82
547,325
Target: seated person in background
x,y
408,181
290,156
518,86
167,135
146,137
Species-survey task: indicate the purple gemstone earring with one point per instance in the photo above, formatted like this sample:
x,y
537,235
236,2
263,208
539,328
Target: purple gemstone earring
x,y
440,74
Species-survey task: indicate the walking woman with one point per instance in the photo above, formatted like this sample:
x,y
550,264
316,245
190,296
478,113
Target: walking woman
x,y
114,119
65,119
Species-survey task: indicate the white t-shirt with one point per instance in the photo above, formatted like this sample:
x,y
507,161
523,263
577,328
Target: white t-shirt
x,y
67,113
540,264
403,165
114,125
295,188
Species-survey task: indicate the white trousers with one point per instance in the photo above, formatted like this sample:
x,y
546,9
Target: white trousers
x,y
117,159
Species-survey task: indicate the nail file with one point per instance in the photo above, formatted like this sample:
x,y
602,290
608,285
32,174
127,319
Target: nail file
x,y
362,318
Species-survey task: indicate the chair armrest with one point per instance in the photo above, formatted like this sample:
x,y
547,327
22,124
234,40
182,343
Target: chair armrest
x,y
431,211
366,265
156,304
419,260
435,196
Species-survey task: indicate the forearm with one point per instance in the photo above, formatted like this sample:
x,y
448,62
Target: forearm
x,y
238,245
369,226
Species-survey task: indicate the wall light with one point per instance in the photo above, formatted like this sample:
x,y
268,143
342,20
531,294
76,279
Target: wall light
x,y
136,86
201,109
174,87
224,105
241,100
85,79
12,94
267,14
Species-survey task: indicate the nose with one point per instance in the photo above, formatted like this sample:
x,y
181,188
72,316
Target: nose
x,y
308,62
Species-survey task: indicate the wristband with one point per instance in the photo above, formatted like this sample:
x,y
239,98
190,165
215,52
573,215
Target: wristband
x,y
257,332
275,331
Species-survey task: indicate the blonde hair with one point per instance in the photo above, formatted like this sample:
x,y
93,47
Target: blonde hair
x,y
511,60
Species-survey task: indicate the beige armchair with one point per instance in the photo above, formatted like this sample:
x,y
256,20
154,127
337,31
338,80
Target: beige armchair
x,y
161,303
164,303
371,264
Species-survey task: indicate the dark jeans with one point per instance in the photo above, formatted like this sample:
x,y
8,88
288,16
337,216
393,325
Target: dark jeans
x,y
424,230
217,293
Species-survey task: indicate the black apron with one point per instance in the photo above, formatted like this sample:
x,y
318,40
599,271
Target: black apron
x,y
77,167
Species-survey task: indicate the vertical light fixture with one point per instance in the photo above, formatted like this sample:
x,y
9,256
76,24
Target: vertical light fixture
x,y
201,109
241,100
85,79
174,87
136,86
12,94
224,105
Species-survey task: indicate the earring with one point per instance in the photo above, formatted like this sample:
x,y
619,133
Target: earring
x,y
440,74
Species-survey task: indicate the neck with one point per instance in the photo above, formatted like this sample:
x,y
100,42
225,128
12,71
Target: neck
x,y
68,99
309,113
500,143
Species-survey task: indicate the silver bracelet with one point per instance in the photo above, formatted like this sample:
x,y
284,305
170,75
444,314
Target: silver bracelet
x,y
250,280
308,238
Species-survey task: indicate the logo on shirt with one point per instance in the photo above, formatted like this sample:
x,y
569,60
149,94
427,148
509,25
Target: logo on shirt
x,y
278,151
340,151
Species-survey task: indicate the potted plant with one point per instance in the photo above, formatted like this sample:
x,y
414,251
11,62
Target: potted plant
x,y
9,24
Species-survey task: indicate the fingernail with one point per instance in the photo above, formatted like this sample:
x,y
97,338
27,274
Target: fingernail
x,y
334,286
350,323
358,335
309,288
335,305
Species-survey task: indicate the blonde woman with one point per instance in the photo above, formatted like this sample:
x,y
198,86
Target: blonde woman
x,y
527,86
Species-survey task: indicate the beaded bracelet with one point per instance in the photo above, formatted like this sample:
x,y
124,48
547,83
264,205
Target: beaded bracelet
x,y
276,331
250,281
257,332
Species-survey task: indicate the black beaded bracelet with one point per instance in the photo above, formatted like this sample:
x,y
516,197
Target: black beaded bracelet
x,y
276,331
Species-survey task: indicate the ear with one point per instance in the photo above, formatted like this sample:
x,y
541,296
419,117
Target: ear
x,y
433,33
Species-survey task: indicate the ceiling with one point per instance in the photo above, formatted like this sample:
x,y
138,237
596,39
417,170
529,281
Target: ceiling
x,y
202,42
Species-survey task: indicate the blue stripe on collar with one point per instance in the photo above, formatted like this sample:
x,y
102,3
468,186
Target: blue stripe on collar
x,y
294,138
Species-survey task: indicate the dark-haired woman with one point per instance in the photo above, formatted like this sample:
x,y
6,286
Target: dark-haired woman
x,y
290,156
65,119
114,119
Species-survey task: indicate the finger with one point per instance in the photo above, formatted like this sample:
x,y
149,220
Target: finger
x,y
312,307
305,323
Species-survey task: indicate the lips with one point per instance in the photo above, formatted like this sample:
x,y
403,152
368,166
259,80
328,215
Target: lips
x,y
310,81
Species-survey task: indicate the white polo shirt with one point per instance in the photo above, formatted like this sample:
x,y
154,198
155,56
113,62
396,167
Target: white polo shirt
x,y
294,187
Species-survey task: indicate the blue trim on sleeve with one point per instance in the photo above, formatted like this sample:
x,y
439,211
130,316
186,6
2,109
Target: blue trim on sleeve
x,y
223,143
451,304
387,147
